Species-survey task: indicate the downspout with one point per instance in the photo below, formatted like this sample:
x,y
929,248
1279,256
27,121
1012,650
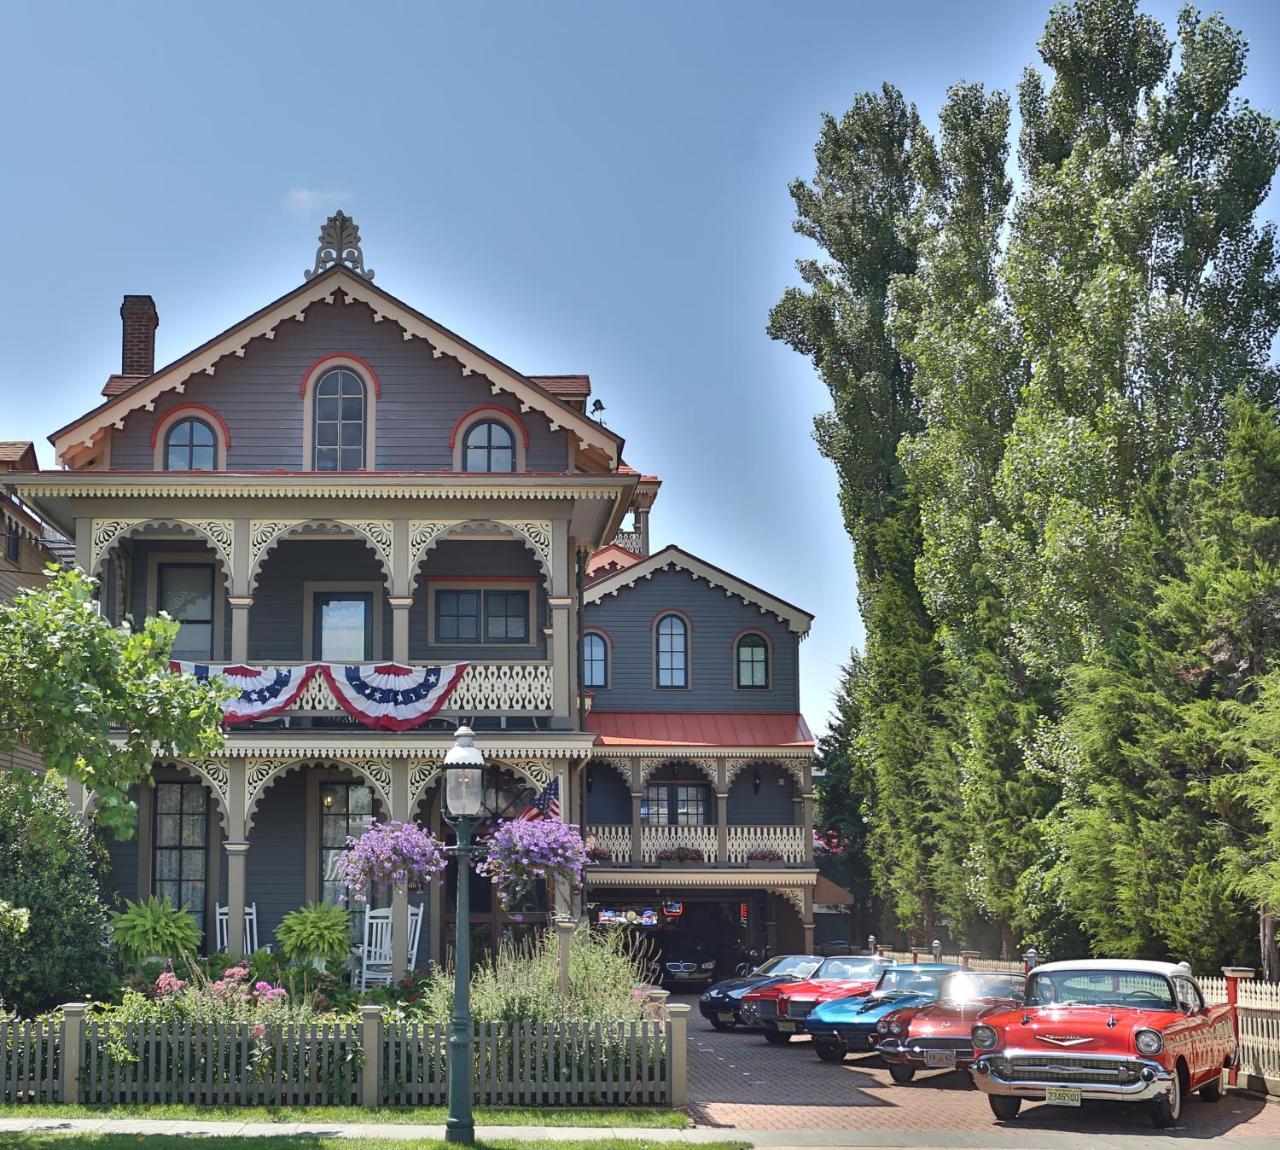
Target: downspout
x,y
581,578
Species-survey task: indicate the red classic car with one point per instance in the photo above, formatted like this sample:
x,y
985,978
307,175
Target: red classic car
x,y
1109,1029
936,1036
780,1010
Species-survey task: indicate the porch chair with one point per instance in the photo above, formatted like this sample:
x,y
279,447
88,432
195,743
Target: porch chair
x,y
222,922
375,954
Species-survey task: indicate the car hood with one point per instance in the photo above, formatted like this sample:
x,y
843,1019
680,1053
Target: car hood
x,y
1077,1029
737,987
792,986
952,1018
868,1009
828,988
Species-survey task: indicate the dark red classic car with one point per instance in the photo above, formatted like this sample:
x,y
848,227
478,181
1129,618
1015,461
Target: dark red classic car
x,y
1127,1031
936,1036
780,1010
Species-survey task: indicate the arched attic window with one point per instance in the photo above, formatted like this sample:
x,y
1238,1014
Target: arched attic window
x,y
489,439
751,663
339,413
595,660
671,652
190,445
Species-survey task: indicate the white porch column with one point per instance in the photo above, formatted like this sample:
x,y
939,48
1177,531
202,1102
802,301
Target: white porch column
x,y
560,608
806,919
400,894
722,828
237,858
806,802
398,593
637,793
240,605
400,630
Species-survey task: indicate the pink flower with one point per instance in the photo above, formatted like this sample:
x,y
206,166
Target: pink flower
x,y
169,983
259,1029
261,987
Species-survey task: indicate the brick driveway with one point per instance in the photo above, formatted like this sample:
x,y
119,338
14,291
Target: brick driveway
x,y
738,1080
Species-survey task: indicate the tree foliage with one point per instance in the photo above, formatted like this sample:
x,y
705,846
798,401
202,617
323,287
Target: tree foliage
x,y
1081,477
97,703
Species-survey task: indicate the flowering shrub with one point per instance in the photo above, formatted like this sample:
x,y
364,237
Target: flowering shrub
x,y
680,854
400,853
521,852
764,854
597,854
829,843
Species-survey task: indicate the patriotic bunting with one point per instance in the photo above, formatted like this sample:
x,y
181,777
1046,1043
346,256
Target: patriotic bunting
x,y
264,691
384,696
389,697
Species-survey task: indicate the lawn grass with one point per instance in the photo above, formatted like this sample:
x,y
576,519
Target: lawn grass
x,y
640,1116
309,1142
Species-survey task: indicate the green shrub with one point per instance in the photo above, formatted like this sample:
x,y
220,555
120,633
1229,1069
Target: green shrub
x,y
316,932
52,866
155,928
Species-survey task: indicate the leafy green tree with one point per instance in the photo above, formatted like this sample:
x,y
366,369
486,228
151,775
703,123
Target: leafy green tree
x,y
52,865
98,703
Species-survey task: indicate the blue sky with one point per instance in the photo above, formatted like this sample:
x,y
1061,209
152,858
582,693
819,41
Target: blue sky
x,y
596,187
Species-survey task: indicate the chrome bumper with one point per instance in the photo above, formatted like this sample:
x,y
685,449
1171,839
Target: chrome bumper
x,y
894,1050
1154,1080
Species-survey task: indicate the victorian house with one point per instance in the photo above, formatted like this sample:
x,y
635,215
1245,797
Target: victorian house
x,y
339,482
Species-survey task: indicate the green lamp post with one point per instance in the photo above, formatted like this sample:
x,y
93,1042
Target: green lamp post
x,y
464,807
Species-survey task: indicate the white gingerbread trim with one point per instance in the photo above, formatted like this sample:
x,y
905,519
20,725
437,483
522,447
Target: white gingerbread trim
x,y
105,534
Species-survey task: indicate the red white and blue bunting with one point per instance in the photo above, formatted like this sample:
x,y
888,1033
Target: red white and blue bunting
x,y
389,697
384,696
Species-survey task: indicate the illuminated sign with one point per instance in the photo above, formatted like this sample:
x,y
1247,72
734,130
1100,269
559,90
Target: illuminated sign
x,y
673,909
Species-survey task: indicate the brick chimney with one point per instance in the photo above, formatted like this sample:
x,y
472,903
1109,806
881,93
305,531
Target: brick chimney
x,y
138,354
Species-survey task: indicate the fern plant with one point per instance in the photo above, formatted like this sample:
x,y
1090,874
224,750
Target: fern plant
x,y
316,933
154,929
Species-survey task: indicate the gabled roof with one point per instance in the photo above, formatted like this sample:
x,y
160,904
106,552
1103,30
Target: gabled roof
x,y
355,288
17,455
676,559
610,558
698,729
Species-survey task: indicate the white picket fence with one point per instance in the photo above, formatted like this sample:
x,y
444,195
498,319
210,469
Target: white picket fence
x,y
993,965
235,1064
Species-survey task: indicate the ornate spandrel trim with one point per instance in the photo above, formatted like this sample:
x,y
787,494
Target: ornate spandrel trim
x,y
378,774
540,772
421,776
537,534
423,534
706,765
266,534
105,533
378,532
623,769
258,775
794,896
339,244
262,534
219,532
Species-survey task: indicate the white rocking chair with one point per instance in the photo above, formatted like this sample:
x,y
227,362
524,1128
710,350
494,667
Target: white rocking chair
x,y
222,924
375,956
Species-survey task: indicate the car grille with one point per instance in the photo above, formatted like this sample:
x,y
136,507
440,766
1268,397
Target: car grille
x,y
767,1008
1060,1068
798,1009
682,967
955,1043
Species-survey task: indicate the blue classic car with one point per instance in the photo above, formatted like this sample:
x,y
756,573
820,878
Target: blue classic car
x,y
849,1024
720,1004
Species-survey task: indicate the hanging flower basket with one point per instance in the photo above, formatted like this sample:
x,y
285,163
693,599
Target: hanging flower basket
x,y
523,852
402,854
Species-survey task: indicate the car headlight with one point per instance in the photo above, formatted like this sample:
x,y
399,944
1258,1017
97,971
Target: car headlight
x,y
895,1028
708,965
1148,1042
984,1038
883,1026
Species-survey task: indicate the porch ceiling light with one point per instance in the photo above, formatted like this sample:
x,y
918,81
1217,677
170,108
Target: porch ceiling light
x,y
464,776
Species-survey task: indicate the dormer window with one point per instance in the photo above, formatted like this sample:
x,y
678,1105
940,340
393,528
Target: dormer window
x,y
190,445
489,446
339,421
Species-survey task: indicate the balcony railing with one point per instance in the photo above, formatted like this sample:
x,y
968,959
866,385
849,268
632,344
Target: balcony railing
x,y
742,841
631,540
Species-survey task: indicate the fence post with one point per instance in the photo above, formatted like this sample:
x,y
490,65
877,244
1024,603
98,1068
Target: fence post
x,y
967,957
1234,976
565,925
371,1042
678,1054
72,1045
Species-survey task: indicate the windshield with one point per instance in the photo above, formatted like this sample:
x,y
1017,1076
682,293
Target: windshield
x,y
967,986
848,968
904,980
1136,988
801,965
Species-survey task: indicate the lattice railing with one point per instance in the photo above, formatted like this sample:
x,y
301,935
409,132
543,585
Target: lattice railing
x,y
631,540
485,689
788,841
615,839
653,840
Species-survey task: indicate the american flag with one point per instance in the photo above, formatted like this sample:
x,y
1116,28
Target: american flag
x,y
546,805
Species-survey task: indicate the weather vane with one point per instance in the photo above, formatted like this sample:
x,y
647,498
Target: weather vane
x,y
339,244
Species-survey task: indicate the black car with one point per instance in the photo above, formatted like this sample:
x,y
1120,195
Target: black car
x,y
719,1005
679,960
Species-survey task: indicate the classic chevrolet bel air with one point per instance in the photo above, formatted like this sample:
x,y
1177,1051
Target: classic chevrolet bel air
x,y
1105,1029
936,1036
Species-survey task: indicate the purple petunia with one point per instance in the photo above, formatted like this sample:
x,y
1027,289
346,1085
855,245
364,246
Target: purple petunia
x,y
400,853
522,852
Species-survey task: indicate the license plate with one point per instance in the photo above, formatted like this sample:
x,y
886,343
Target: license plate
x,y
940,1059
1062,1096
725,1016
786,1027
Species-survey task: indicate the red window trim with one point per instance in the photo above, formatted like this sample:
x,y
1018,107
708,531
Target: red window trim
x,y
176,414
468,417
312,372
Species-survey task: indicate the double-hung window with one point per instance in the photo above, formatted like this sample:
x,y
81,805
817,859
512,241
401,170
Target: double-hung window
x,y
675,805
672,654
595,660
483,615
181,844
185,592
346,809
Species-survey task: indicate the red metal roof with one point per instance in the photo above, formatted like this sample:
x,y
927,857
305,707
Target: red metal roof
x,y
698,729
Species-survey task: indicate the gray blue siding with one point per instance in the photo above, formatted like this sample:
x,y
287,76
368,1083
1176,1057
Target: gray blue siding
x,y
608,801
717,619
773,805
274,874
258,397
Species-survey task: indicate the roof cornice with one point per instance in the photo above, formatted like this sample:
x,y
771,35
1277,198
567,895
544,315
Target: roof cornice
x,y
262,324
674,558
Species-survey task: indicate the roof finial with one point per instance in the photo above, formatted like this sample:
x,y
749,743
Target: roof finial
x,y
339,244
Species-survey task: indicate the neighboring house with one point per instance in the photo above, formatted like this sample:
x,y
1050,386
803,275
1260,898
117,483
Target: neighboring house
x,y
338,478
27,547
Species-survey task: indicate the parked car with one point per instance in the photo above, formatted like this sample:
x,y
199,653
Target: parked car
x,y
849,1024
780,1010
1123,1030
682,961
936,1036
720,1004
